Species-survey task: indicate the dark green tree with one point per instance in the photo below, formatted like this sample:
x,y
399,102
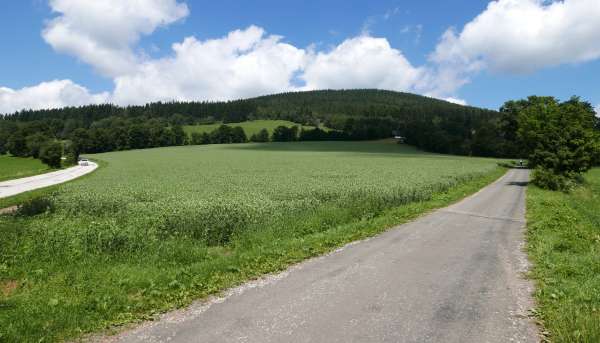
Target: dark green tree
x,y
35,142
559,137
51,154
261,137
238,135
17,145
285,134
179,136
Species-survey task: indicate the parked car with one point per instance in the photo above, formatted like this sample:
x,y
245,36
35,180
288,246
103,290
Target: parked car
x,y
84,162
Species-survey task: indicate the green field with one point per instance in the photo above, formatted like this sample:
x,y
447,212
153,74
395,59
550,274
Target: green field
x,y
250,127
564,245
155,229
17,167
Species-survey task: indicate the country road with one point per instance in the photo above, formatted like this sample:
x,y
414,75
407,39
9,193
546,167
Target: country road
x,y
454,275
17,186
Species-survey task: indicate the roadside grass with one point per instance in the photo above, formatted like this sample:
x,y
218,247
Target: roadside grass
x,y
564,245
17,167
250,127
105,259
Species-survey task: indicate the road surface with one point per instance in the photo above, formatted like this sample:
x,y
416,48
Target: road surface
x,y
454,275
14,187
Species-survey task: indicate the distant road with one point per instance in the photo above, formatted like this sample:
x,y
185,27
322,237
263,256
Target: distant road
x,y
14,187
454,275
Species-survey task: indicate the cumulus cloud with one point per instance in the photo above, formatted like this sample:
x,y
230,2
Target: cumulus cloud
x,y
361,62
513,36
52,94
519,36
244,63
597,109
103,32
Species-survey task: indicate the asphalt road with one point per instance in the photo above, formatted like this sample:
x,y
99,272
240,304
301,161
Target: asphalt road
x,y
451,276
14,187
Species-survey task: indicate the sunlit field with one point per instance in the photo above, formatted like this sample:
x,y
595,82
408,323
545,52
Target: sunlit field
x,y
154,229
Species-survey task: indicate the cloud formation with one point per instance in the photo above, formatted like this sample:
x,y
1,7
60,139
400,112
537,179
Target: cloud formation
x,y
361,62
245,63
52,94
521,36
509,36
103,33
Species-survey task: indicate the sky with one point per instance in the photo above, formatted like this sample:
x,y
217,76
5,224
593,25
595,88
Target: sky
x,y
58,53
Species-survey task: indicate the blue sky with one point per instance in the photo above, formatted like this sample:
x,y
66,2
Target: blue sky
x,y
496,51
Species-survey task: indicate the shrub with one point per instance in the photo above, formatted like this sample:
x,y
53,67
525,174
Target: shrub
x,y
35,206
547,179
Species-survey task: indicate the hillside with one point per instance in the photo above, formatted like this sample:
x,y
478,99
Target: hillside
x,y
428,123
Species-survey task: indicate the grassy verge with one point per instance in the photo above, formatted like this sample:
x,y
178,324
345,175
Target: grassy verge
x,y
564,245
19,167
68,296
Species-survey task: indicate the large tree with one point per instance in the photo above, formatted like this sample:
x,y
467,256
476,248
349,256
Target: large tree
x,y
559,137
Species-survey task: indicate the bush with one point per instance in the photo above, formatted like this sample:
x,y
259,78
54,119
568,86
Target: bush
x,y
547,179
35,206
261,137
285,134
51,153
200,138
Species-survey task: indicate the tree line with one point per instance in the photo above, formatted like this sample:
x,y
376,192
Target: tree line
x,y
360,114
551,134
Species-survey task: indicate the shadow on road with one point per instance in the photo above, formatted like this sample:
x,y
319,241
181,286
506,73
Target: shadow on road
x,y
518,183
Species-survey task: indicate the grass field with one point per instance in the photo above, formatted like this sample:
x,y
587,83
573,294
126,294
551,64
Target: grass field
x,y
564,244
17,167
250,127
155,229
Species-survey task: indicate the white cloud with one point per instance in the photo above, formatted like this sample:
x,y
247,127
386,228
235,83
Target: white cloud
x,y
509,36
244,63
52,94
597,109
103,32
518,36
456,101
362,62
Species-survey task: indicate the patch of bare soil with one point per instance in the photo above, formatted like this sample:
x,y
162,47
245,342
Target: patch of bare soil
x,y
8,210
8,287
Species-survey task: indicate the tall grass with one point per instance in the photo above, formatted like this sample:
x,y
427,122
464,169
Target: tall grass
x,y
564,243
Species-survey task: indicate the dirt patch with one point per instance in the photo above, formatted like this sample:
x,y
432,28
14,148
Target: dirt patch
x,y
8,210
8,287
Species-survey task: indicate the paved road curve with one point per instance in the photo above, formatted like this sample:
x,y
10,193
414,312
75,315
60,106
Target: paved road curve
x,y
451,276
14,187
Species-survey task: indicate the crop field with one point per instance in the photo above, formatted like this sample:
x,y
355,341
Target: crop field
x,y
17,167
250,127
155,229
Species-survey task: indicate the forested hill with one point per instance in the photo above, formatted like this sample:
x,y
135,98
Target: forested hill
x,y
428,123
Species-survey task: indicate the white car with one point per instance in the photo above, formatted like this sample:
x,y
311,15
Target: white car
x,y
84,162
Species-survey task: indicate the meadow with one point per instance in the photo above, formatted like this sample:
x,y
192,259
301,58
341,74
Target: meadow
x,y
564,245
250,127
154,229
18,167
